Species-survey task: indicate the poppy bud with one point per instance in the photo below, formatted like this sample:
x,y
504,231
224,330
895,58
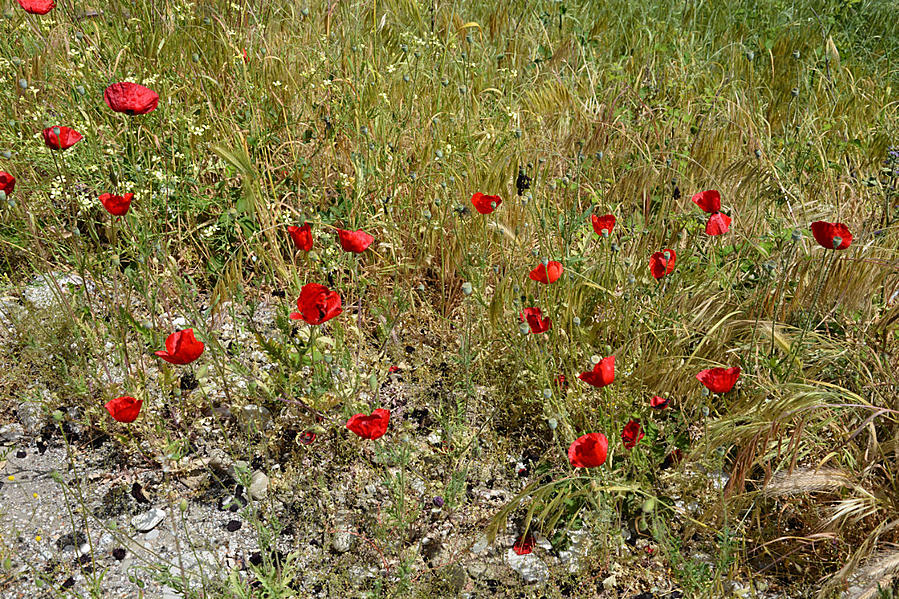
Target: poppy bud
x,y
758,153
553,423
576,321
547,393
328,358
796,235
444,82
523,327
195,57
466,288
406,78
438,154
183,505
305,12
750,55
23,83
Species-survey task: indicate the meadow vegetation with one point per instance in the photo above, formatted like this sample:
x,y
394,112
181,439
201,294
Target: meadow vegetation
x,y
387,116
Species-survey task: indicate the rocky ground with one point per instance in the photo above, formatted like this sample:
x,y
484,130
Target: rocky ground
x,y
85,512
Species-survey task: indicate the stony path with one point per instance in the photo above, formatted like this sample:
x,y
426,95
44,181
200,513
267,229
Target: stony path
x,y
70,531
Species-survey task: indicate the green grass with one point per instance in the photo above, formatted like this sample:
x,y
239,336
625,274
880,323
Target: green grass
x,y
387,116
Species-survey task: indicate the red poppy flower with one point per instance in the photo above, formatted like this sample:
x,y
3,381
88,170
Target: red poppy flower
x,y
710,202
485,204
116,205
393,369
302,236
535,320
124,409
524,544
64,139
603,373
631,434
588,451
37,7
561,382
718,224
7,183
306,437
659,403
317,304
181,347
662,263
719,380
372,426
827,234
354,241
131,98
603,223
547,274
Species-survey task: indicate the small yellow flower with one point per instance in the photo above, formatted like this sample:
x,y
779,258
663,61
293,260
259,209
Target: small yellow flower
x,y
10,478
38,538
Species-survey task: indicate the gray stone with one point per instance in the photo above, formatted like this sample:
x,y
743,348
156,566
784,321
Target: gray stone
x,y
578,546
531,568
254,418
342,541
42,292
11,433
11,312
148,520
258,485
480,545
31,415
